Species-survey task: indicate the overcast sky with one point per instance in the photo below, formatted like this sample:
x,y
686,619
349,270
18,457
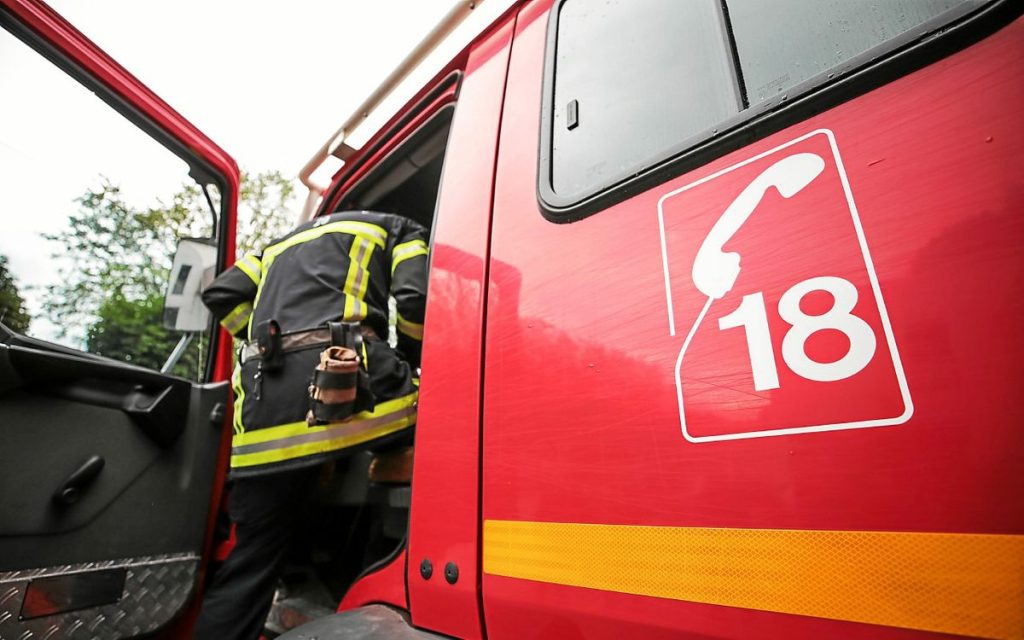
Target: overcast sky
x,y
267,81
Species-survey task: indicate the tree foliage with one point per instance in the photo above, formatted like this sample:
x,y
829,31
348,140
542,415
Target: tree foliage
x,y
116,260
12,305
112,250
130,330
266,210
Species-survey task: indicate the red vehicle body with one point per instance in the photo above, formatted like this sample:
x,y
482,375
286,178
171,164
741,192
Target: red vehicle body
x,y
825,443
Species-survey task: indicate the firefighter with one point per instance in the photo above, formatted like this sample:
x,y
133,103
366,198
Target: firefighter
x,y
285,301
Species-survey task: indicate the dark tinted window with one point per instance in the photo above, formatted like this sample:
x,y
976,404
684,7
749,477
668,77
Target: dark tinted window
x,y
803,38
179,284
630,83
644,76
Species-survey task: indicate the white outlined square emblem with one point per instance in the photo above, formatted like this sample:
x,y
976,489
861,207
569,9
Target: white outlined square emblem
x,y
774,302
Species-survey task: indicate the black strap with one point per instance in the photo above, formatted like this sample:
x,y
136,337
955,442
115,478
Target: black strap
x,y
347,334
324,413
334,380
338,334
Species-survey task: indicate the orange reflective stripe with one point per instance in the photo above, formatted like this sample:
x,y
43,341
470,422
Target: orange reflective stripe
x,y
968,584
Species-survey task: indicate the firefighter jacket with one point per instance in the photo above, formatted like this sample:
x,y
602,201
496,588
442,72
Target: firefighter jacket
x,y
344,266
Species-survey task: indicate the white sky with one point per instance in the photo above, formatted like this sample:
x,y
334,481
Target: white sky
x,y
267,81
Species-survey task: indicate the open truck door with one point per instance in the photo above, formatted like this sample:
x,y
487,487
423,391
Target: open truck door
x,y
111,470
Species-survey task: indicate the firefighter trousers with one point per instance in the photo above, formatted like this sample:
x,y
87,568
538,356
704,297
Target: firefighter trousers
x,y
266,511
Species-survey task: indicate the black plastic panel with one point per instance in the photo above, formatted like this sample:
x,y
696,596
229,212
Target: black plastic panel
x,y
149,498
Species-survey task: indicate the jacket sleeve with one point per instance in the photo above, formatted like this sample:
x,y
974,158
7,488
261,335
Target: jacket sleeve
x,y
230,296
409,287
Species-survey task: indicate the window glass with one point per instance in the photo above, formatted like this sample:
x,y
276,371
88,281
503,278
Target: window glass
x,y
817,35
641,76
92,210
632,82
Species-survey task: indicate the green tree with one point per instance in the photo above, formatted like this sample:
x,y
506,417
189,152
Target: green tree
x,y
12,305
116,260
130,330
266,210
111,249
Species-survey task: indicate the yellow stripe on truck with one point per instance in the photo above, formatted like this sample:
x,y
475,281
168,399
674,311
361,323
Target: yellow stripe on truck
x,y
968,584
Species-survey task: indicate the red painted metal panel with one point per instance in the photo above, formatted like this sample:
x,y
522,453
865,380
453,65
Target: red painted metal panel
x,y
384,586
581,413
444,521
547,611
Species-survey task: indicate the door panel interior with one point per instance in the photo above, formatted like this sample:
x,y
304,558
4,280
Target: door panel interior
x,y
107,472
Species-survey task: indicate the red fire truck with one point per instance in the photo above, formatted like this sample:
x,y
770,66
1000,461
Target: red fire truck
x,y
722,340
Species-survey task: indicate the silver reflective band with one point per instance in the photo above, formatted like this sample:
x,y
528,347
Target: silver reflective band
x,y
330,433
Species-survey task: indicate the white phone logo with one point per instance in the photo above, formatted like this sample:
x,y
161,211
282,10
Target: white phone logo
x,y
715,271
776,330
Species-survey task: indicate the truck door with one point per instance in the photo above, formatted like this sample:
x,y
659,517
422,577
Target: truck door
x,y
111,421
760,373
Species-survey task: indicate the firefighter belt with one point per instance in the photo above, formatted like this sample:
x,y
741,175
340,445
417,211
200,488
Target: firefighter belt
x,y
273,398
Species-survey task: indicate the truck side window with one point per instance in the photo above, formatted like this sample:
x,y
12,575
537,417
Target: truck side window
x,y
631,84
818,35
93,209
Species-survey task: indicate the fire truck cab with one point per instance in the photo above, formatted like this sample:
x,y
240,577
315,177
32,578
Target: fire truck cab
x,y
722,340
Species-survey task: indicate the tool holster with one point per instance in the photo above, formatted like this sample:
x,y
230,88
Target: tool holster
x,y
341,383
267,336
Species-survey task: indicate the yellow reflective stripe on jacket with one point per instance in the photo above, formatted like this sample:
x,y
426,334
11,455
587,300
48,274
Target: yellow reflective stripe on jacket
x,y
406,250
296,440
358,279
238,319
410,329
236,385
375,234
371,232
251,266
